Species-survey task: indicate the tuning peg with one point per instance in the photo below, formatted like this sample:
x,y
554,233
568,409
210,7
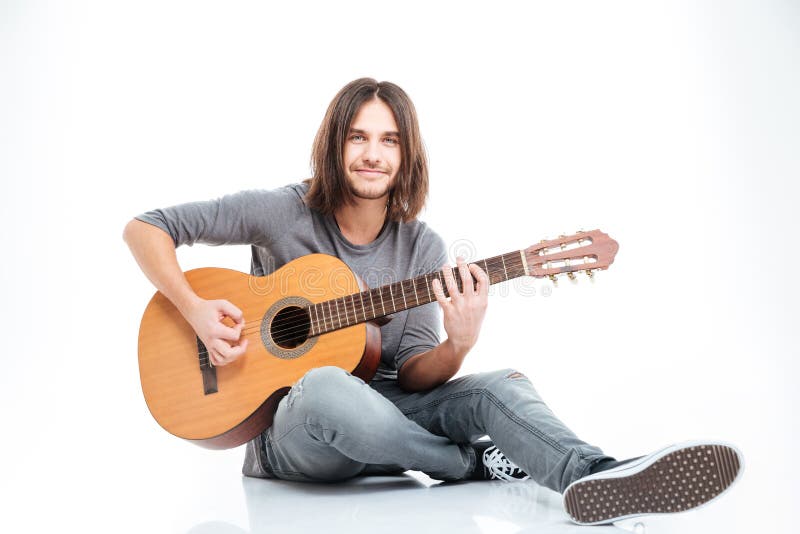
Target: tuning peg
x,y
590,274
572,278
553,279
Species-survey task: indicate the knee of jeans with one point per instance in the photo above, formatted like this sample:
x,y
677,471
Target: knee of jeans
x,y
325,390
329,379
503,380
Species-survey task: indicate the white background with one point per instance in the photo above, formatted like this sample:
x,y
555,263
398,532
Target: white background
x,y
673,126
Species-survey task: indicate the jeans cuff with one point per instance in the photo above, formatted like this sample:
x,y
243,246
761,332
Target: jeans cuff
x,y
473,459
585,470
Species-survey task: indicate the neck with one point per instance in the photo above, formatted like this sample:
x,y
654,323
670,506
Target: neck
x,y
362,221
372,304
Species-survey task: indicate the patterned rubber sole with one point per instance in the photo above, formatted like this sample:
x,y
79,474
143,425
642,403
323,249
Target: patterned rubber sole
x,y
681,480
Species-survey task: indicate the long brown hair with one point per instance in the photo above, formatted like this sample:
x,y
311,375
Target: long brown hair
x,y
329,187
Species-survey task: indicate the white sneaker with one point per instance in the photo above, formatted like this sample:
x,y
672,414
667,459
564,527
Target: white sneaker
x,y
677,478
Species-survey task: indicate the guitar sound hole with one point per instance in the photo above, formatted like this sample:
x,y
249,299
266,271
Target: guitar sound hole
x,y
290,327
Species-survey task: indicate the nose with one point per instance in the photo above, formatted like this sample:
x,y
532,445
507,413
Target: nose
x,y
372,153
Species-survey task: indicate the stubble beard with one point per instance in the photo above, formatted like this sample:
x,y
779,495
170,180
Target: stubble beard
x,y
371,193
368,191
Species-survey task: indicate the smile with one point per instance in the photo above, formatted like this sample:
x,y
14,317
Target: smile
x,y
370,172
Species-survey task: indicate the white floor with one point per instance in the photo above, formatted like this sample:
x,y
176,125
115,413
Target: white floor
x,y
413,504
181,489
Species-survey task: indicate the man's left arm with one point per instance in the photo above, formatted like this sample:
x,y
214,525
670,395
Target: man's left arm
x,y
463,316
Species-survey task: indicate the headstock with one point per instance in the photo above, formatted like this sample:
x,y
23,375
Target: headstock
x,y
583,251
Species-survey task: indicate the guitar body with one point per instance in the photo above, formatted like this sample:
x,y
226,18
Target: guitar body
x,y
223,407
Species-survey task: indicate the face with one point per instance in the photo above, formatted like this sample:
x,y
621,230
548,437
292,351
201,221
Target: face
x,y
372,151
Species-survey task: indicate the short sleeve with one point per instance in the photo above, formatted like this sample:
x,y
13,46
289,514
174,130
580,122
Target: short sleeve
x,y
243,218
423,323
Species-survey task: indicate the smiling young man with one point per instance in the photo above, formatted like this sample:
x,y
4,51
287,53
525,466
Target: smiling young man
x,y
369,183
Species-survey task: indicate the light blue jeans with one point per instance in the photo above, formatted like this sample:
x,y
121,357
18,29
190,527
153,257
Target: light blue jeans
x,y
332,426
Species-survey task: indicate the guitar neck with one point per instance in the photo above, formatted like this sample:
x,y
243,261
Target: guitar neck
x,y
398,296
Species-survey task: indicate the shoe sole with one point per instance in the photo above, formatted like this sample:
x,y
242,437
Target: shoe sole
x,y
675,479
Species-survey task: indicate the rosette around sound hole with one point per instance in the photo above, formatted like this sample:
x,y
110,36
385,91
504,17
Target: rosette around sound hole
x,y
286,326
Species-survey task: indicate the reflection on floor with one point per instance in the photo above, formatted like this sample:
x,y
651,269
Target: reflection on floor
x,y
407,503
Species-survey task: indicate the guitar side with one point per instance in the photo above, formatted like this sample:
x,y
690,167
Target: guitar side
x,y
249,389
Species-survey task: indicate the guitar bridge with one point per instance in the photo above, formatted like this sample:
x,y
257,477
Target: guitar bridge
x,y
206,369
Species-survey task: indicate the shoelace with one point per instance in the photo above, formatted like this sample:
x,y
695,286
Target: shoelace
x,y
501,467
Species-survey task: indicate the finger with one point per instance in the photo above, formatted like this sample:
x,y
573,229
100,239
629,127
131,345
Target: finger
x,y
231,311
450,282
240,348
227,332
439,293
214,357
482,286
233,353
225,351
467,285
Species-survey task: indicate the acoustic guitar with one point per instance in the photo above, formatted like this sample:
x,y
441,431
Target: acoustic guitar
x,y
312,312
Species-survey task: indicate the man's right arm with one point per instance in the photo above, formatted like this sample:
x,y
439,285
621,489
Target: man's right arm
x,y
154,251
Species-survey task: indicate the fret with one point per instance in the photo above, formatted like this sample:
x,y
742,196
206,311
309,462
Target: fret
x,y
352,303
487,271
330,312
372,304
363,312
336,303
414,285
516,269
427,283
355,313
391,294
322,311
504,266
312,312
403,293
380,294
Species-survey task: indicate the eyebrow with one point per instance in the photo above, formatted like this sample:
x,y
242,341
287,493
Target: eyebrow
x,y
358,131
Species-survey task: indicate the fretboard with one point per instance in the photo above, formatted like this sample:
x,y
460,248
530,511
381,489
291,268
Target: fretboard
x,y
398,296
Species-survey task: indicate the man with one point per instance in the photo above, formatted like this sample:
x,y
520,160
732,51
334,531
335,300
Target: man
x,y
370,181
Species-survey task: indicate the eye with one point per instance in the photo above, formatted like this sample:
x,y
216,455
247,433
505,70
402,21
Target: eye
x,y
393,141
358,138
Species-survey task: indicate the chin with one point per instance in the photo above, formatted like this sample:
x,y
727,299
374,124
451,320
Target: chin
x,y
370,191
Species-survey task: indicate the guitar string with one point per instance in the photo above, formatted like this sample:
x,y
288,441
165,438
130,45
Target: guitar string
x,y
293,327
303,327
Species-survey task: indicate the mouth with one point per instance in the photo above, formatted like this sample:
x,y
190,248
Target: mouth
x,y
371,173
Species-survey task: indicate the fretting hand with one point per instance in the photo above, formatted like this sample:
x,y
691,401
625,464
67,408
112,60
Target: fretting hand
x,y
464,312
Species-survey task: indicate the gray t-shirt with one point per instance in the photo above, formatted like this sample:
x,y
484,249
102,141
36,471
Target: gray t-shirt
x,y
280,227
